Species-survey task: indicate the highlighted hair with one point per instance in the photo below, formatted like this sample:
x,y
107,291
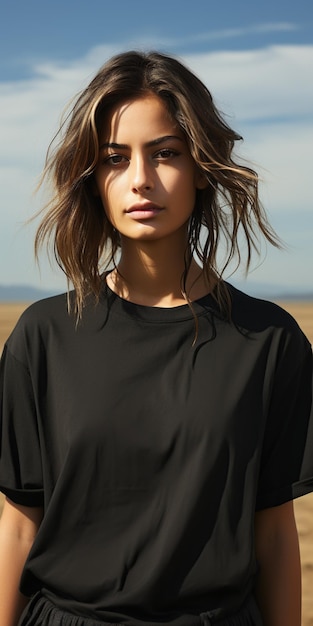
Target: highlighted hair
x,y
84,241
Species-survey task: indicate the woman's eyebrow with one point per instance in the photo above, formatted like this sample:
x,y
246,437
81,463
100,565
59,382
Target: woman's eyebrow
x,y
156,142
112,144
153,142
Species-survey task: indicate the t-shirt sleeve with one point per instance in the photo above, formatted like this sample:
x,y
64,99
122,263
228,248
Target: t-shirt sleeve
x,y
286,470
20,456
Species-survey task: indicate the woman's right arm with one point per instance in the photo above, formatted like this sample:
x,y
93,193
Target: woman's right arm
x,y
18,528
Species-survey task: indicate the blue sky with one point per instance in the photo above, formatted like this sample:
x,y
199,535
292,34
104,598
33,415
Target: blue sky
x,y
256,58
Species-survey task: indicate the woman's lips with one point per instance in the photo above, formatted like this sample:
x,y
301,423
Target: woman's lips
x,y
143,211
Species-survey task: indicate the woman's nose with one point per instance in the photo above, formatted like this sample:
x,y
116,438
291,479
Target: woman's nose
x,y
141,172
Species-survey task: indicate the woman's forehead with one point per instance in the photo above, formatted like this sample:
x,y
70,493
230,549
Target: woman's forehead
x,y
142,116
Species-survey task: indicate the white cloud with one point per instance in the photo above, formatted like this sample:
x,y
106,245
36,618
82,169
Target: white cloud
x,y
260,84
284,152
265,93
253,29
214,36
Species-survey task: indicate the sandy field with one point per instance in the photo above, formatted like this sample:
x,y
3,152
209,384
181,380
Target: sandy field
x,y
303,312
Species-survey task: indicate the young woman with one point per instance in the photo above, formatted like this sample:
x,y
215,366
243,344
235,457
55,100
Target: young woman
x,y
155,422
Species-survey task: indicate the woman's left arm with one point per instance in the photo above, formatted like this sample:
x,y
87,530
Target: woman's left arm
x,y
277,552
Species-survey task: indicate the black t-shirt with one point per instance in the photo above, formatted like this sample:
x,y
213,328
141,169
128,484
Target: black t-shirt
x,y
150,454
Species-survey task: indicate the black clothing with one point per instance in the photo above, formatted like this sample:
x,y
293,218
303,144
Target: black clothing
x,y
42,611
151,455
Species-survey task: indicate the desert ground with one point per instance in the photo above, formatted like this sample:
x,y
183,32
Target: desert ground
x,y
303,313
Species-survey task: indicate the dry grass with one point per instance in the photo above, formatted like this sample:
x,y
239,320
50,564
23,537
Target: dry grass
x,y
9,314
303,313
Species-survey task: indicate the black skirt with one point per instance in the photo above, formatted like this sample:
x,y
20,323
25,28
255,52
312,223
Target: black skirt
x,y
41,612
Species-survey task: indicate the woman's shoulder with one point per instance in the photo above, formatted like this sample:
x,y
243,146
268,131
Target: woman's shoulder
x,y
257,314
36,320
39,312
50,319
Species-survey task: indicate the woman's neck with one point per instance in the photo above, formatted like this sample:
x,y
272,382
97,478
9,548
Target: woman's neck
x,y
152,276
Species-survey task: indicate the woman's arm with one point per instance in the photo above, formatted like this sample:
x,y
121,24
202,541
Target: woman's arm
x,y
277,551
18,528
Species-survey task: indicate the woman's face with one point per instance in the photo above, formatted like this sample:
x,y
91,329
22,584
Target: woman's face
x,y
146,177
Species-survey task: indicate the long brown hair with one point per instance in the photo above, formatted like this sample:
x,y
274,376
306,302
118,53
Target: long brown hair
x,y
85,243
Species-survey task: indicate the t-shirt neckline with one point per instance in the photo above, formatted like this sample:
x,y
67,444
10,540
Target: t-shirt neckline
x,y
182,312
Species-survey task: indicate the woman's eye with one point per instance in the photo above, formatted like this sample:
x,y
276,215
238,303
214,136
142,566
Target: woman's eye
x,y
166,153
115,159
